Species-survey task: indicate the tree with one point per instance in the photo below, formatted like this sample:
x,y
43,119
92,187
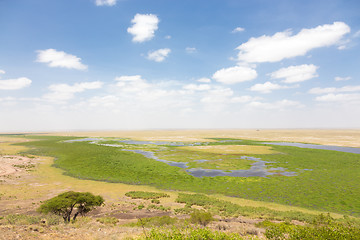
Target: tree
x,y
66,202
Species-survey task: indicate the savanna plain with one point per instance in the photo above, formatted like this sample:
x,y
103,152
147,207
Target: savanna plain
x,y
183,184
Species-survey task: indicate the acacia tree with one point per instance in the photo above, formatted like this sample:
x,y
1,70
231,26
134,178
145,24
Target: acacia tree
x,y
66,202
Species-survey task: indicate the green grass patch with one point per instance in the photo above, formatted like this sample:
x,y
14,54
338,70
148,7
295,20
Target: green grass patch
x,y
228,209
190,234
145,195
323,228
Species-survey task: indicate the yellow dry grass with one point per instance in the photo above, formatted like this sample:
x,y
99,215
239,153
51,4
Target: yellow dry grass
x,y
232,149
7,149
338,137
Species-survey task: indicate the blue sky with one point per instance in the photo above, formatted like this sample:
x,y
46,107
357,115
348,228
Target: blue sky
x,y
140,64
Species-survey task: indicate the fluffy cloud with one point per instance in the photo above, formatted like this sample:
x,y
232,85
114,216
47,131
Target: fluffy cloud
x,y
238,29
234,75
64,92
342,78
105,2
132,83
14,84
61,59
2,71
105,101
218,95
335,90
348,98
195,87
144,27
204,80
278,105
294,74
159,55
267,87
284,45
190,50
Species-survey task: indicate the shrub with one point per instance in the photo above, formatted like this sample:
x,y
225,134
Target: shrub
x,y
201,217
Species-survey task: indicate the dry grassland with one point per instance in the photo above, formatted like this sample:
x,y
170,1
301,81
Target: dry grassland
x,y
340,137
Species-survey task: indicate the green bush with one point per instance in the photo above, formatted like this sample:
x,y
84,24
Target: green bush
x,y
323,228
191,234
201,217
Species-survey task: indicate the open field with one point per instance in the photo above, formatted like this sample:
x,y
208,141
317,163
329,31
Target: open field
x,y
340,137
325,181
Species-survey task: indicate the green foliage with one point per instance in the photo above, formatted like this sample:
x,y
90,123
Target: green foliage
x,y
191,234
156,201
145,195
66,202
108,220
201,217
225,208
323,228
158,207
158,221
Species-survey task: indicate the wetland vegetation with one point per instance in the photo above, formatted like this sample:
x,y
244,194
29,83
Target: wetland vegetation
x,y
324,180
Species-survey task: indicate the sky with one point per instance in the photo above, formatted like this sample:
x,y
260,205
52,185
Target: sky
x,y
178,64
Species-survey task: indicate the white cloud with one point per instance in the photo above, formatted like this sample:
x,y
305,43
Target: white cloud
x,y
159,55
284,45
64,92
2,71
266,87
132,83
348,98
218,95
190,50
195,87
238,29
61,59
335,90
278,105
294,74
14,84
204,80
234,75
342,78
105,2
105,101
144,27
244,99
167,37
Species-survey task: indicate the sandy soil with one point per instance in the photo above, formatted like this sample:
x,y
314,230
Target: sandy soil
x,y
13,167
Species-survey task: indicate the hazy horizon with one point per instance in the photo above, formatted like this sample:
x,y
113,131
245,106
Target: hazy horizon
x,y
150,65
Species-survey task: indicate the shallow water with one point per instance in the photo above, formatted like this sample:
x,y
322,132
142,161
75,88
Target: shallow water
x,y
314,146
258,168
